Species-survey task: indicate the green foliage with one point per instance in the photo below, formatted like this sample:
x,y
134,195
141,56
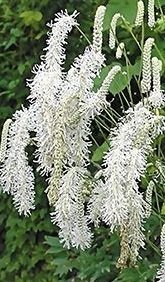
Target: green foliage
x,y
98,263
126,8
23,255
122,79
31,17
100,152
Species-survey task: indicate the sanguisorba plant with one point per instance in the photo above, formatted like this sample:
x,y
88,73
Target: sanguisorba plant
x,y
62,106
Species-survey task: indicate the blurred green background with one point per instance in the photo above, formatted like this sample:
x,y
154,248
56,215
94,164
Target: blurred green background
x,y
29,247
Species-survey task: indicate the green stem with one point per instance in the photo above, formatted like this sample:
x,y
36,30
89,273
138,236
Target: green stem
x,y
142,44
160,8
130,30
129,78
111,120
83,34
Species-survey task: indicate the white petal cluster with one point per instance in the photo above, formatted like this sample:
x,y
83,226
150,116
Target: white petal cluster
x,y
146,70
151,13
112,32
148,198
140,13
55,52
119,51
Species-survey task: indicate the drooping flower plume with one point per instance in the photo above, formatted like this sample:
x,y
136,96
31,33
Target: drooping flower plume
x,y
119,202
16,176
45,89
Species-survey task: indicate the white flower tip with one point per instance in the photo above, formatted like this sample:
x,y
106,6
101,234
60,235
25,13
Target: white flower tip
x,y
112,33
4,139
140,13
63,16
119,51
151,13
98,28
101,9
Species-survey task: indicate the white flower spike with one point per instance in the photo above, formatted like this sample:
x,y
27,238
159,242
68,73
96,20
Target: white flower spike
x,y
140,13
146,70
4,139
119,51
98,29
112,32
151,13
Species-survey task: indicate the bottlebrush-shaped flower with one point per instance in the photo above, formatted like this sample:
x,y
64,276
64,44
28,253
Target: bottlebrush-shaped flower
x,y
151,13
119,51
98,29
122,204
45,88
16,176
148,198
146,70
112,33
156,96
4,139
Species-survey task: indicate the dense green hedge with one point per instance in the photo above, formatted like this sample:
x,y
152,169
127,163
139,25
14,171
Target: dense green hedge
x,y
23,256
